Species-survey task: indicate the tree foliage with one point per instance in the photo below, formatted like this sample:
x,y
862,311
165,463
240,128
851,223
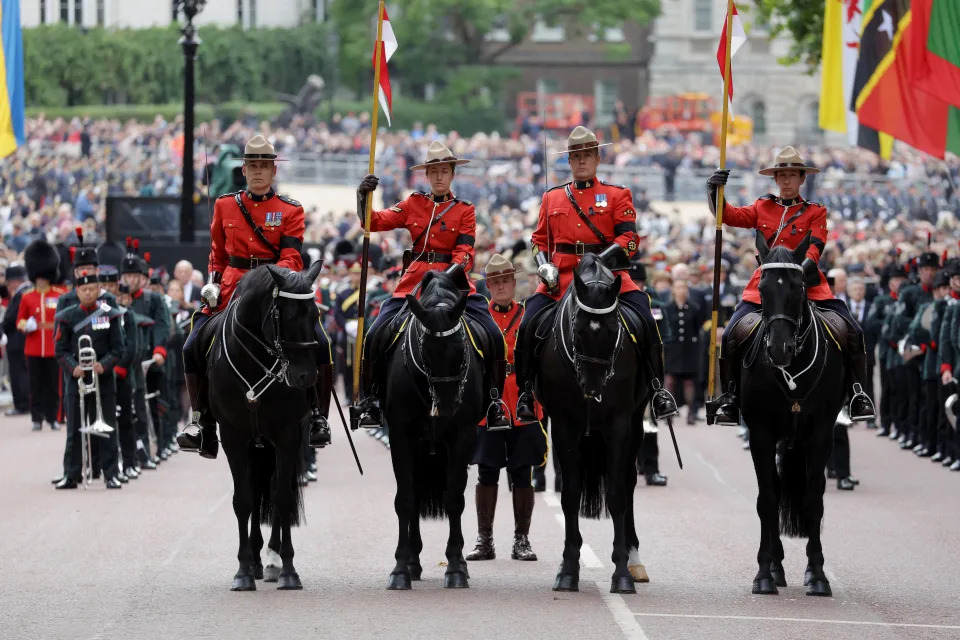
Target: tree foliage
x,y
802,20
66,66
447,42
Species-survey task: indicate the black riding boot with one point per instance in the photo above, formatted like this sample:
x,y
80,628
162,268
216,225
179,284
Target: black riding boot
x,y
522,512
204,439
319,427
496,416
523,364
725,409
486,509
662,404
861,406
366,413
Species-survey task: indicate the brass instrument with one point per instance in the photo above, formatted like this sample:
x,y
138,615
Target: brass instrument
x,y
87,359
154,443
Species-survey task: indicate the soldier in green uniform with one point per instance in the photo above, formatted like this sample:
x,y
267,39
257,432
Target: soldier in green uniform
x,y
893,277
922,336
948,360
911,298
124,373
101,323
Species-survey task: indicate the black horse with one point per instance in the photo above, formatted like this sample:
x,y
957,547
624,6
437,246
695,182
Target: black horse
x,y
434,398
259,366
591,384
792,382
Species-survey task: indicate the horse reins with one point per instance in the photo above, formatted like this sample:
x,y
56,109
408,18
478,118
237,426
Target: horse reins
x,y
422,367
570,350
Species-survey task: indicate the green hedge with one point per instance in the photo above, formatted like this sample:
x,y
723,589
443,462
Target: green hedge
x,y
405,113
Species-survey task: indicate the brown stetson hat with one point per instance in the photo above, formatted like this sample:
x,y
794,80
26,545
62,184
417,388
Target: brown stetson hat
x,y
788,158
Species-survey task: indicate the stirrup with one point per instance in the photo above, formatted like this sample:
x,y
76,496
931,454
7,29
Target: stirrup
x,y
858,393
505,412
666,398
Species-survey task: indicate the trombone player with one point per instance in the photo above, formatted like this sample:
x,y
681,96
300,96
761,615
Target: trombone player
x,y
100,323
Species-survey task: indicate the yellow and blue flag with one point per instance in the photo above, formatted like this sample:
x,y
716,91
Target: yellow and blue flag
x,y
11,78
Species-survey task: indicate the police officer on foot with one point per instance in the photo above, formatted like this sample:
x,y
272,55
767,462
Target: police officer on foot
x,y
599,218
249,228
443,229
784,220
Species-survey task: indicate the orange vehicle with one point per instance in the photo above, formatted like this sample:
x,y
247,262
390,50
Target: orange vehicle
x,y
561,110
688,112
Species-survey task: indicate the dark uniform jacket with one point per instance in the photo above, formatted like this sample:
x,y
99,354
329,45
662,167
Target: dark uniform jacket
x,y
101,323
682,355
148,304
926,338
911,297
16,340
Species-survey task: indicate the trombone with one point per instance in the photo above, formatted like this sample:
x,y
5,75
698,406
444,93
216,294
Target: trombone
x,y
87,358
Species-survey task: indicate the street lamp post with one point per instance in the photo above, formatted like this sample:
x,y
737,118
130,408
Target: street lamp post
x,y
189,41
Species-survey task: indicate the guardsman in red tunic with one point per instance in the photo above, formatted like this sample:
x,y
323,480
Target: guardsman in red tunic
x,y
250,228
516,449
784,220
443,228
35,318
585,216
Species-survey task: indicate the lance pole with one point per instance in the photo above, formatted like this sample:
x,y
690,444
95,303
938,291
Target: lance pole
x,y
718,241
365,252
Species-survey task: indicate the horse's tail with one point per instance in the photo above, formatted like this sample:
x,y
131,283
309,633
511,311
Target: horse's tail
x,y
593,467
263,468
794,486
430,480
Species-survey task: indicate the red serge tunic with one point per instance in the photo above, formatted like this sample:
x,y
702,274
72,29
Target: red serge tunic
x,y
783,223
282,222
508,319
452,234
609,207
42,307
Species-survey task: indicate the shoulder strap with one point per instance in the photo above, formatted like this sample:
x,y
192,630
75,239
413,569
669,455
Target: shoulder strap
x,y
791,220
430,225
602,238
256,230
513,320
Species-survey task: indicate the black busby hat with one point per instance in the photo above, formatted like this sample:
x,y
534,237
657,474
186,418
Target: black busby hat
x,y
942,279
82,255
16,271
928,259
895,270
131,262
42,261
108,273
86,277
110,253
344,250
638,271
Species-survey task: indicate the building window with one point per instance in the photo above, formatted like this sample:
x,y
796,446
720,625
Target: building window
x,y
605,94
43,11
757,111
253,14
545,33
499,31
64,10
703,15
101,13
240,12
810,117
610,34
78,12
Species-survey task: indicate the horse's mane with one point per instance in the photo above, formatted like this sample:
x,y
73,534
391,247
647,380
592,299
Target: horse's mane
x,y
260,280
780,254
592,269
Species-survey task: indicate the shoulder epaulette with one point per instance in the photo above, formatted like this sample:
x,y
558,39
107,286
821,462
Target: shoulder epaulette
x,y
466,202
814,203
229,195
559,186
610,184
420,193
767,196
28,290
289,200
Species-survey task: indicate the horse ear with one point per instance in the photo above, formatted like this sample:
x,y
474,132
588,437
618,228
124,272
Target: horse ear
x,y
615,287
577,282
314,271
762,247
459,307
416,308
277,278
801,251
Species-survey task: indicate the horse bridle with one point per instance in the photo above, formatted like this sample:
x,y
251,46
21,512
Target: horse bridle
x,y
422,366
578,359
799,337
278,369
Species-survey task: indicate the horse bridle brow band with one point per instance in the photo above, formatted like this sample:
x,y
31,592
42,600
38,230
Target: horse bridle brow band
x,y
443,334
781,265
296,296
595,311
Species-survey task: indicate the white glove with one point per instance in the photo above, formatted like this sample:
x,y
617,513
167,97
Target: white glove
x,y
549,275
211,295
31,324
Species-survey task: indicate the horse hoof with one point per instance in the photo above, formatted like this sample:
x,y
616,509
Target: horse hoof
x,y
566,582
415,571
765,586
639,573
399,582
463,566
779,576
289,582
243,583
622,584
819,587
455,580
271,573
807,577
258,571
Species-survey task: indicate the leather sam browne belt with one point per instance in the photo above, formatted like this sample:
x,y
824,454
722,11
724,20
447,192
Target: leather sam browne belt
x,y
248,263
578,248
431,256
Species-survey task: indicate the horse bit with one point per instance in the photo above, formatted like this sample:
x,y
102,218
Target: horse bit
x,y
272,373
425,370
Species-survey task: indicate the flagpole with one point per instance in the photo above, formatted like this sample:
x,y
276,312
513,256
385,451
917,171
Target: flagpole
x,y
364,254
718,242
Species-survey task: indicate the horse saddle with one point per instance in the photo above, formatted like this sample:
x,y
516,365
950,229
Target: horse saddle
x,y
387,337
836,325
634,324
743,331
208,334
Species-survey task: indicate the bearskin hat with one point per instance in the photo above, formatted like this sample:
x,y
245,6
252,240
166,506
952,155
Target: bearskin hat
x,y
42,261
928,259
110,253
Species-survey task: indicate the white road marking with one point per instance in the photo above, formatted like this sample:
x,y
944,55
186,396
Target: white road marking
x,y
813,620
588,558
621,613
188,535
716,473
